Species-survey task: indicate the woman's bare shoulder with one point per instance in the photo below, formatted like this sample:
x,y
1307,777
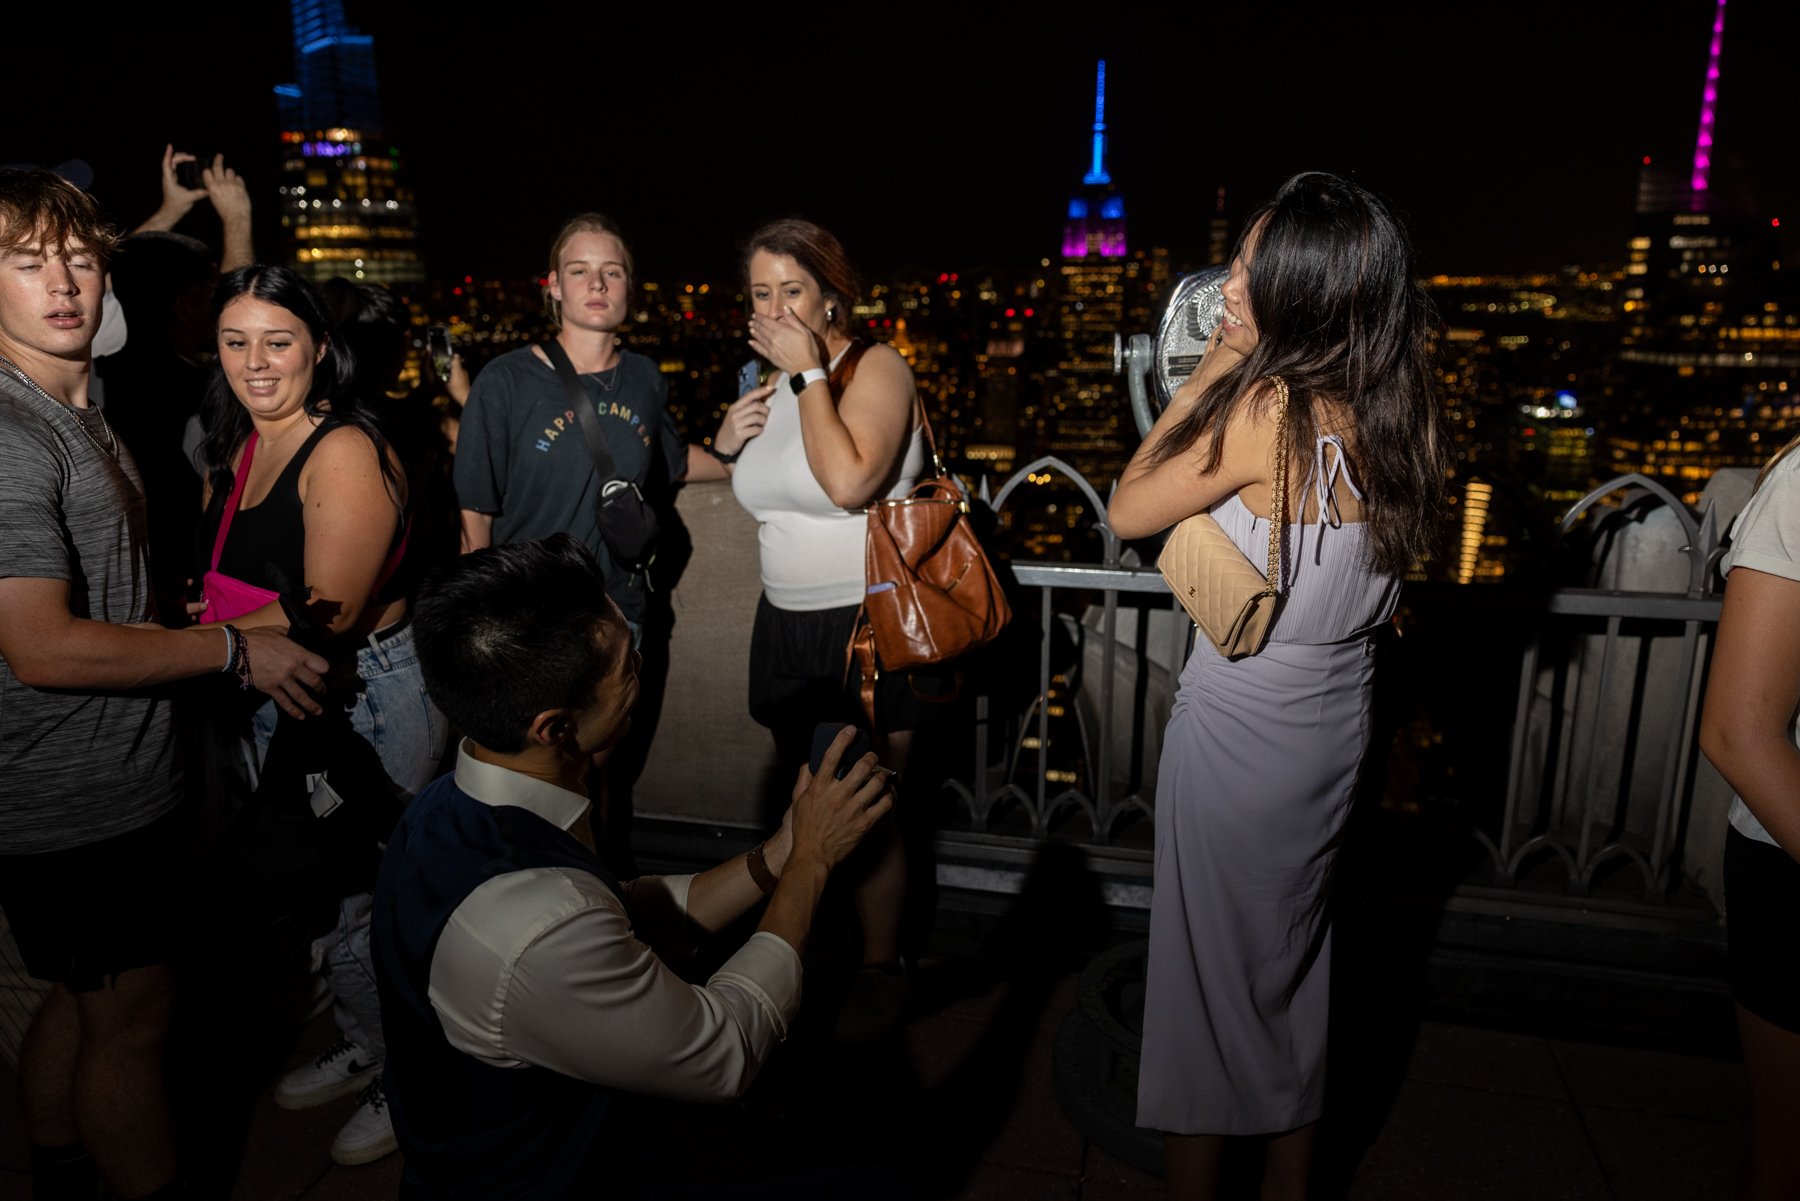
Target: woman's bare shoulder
x,y
348,453
885,360
345,440
881,372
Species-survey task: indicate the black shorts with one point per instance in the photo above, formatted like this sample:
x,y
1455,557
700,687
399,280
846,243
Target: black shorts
x,y
798,679
1762,926
84,915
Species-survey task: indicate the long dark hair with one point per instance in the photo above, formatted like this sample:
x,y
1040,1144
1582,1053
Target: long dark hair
x,y
224,418
1340,317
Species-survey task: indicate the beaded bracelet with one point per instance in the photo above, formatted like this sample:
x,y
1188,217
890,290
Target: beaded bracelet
x,y
240,658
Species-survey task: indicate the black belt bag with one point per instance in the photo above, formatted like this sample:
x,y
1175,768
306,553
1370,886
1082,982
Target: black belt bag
x,y
626,520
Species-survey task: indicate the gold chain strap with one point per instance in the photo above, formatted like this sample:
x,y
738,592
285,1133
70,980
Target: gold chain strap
x,y
1278,502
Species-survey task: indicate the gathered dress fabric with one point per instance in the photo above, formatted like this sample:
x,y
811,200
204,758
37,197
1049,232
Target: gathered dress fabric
x,y
1258,768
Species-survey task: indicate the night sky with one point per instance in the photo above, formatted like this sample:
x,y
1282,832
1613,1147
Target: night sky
x,y
947,137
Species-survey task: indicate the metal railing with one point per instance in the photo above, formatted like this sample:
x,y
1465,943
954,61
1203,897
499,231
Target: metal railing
x,y
1603,673
989,787
1571,821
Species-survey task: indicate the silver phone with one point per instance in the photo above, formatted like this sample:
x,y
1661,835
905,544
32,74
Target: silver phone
x,y
749,376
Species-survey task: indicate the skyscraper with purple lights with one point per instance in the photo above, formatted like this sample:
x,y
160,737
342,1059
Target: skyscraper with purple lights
x,y
345,203
1709,99
1086,413
1096,221
1709,323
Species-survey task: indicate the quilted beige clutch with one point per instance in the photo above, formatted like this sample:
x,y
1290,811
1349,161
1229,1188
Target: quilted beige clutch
x,y
1231,602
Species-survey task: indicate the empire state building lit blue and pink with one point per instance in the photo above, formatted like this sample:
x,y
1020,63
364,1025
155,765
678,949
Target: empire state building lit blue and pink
x,y
1096,223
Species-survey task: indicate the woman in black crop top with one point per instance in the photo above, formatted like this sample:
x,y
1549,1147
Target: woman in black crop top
x,y
323,504
320,512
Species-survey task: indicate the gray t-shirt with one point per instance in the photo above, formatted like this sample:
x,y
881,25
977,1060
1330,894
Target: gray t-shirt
x,y
76,767
521,455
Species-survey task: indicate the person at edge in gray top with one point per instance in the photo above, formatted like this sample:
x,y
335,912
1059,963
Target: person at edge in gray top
x,y
91,830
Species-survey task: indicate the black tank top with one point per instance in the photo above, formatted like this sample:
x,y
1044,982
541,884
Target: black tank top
x,y
267,542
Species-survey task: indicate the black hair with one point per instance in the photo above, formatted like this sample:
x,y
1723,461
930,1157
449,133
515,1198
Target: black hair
x,y
372,323
164,280
1340,317
154,269
227,422
508,632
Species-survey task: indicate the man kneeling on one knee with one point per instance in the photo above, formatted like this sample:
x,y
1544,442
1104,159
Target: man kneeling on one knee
x,y
519,985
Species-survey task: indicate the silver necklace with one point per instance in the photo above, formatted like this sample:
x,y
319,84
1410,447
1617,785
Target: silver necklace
x,y
111,447
606,379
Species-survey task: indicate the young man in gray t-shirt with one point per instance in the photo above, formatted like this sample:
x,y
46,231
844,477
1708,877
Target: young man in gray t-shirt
x,y
90,836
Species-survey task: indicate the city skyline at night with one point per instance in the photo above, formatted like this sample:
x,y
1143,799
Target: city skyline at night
x,y
1611,336
1510,141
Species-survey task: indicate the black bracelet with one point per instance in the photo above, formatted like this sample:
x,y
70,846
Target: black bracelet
x,y
240,656
720,455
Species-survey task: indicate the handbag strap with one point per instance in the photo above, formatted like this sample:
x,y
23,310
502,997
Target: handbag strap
x,y
845,371
925,424
861,652
583,404
231,502
1279,497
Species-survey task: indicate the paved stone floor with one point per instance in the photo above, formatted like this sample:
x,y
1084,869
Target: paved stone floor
x,y
961,1104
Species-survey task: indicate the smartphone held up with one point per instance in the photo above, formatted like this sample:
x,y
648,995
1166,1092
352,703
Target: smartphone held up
x,y
439,347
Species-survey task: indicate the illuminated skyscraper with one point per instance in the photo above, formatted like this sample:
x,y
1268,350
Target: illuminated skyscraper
x,y
1086,416
1096,225
344,201
1710,331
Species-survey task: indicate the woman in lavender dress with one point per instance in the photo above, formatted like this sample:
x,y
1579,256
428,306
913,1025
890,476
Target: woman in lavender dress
x,y
1262,753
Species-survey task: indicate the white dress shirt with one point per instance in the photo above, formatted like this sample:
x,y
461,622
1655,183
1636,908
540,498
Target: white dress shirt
x,y
544,967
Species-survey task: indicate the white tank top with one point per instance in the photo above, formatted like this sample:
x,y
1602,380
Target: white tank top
x,y
812,550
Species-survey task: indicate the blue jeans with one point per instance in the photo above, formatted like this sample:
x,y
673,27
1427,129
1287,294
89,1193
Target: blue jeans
x,y
394,715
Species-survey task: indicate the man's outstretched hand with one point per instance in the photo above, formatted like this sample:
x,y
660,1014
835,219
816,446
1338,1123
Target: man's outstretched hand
x,y
830,816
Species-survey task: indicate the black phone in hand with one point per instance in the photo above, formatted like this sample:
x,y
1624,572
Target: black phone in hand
x,y
823,736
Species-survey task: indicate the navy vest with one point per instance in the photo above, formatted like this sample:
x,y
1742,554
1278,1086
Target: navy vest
x,y
468,1128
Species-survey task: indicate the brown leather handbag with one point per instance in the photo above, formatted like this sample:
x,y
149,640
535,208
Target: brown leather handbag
x,y
930,592
1231,602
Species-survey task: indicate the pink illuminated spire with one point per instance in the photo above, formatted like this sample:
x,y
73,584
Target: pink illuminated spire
x,y
1709,100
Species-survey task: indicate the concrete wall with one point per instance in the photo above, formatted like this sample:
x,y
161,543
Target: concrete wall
x,y
710,762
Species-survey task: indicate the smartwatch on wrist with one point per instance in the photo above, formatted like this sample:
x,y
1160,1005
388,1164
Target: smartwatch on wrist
x,y
720,455
806,379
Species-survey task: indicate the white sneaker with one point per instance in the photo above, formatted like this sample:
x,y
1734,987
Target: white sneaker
x,y
340,1070
369,1134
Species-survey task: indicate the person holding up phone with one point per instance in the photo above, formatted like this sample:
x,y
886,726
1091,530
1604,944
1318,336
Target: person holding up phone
x,y
836,428
185,183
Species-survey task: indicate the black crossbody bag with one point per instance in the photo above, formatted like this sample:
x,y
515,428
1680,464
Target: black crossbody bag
x,y
626,520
